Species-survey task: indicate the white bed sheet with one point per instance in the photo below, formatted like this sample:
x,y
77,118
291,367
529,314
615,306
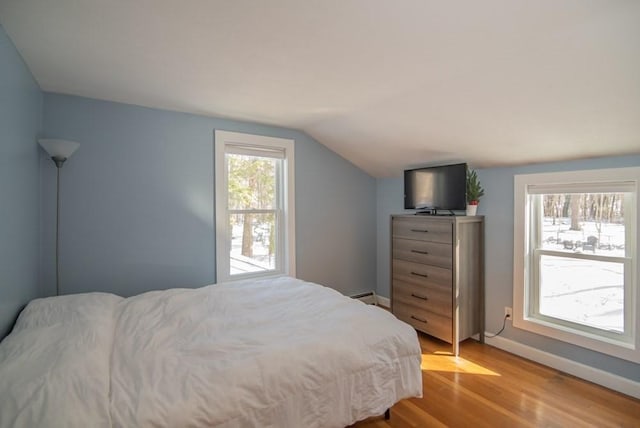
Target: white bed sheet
x,y
54,366
261,353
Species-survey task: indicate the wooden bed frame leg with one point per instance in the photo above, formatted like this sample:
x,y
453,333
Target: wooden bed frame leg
x,y
387,414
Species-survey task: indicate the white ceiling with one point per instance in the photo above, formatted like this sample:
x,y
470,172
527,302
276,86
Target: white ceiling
x,y
387,84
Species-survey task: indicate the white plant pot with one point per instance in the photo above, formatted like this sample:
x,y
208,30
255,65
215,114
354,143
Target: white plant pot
x,y
472,209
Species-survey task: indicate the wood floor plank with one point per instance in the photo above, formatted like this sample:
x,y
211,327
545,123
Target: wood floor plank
x,y
414,416
488,387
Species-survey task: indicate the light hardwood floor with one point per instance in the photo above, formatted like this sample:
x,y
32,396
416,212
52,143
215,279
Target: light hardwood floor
x,y
487,387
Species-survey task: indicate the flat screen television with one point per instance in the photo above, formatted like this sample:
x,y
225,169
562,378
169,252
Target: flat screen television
x,y
436,188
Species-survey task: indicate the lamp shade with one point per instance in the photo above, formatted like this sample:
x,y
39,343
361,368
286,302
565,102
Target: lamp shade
x,y
59,148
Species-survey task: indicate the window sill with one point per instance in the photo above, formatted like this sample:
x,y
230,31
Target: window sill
x,y
624,349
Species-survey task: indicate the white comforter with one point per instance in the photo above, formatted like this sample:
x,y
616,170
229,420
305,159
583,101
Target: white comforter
x,y
266,353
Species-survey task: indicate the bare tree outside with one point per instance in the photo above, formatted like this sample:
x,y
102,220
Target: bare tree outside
x,y
574,207
584,207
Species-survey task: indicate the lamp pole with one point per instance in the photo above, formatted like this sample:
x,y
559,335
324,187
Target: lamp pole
x,y
59,150
59,161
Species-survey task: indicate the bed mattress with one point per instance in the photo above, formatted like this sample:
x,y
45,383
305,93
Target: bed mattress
x,y
261,353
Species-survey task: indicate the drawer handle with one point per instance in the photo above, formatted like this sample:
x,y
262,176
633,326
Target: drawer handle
x,y
417,296
420,230
424,275
419,252
419,319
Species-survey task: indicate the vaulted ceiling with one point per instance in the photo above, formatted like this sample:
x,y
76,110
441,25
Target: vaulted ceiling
x,y
386,84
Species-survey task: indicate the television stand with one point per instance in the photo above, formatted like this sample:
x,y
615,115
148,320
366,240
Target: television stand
x,y
434,211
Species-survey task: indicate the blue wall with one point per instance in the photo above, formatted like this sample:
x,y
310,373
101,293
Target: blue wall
x,y
389,200
497,207
137,202
20,121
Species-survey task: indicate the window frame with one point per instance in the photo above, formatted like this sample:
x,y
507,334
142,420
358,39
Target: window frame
x,y
525,281
285,198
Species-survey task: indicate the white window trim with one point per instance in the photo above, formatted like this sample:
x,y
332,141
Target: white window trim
x,y
221,140
626,350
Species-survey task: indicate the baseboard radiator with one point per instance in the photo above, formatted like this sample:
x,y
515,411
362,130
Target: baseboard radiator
x,y
369,298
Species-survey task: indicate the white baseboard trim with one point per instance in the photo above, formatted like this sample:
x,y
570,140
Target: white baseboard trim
x,y
600,377
383,301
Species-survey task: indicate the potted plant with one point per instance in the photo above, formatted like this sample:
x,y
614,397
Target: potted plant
x,y
474,192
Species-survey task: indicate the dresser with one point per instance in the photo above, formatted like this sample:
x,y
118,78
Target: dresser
x,y
437,275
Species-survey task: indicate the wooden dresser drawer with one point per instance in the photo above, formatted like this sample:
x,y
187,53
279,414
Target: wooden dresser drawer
x,y
420,274
431,253
416,228
434,299
437,283
425,321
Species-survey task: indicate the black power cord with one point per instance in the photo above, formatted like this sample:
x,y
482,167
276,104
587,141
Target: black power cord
x,y
504,324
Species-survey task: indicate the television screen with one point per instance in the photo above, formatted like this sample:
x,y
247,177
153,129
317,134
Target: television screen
x,y
437,187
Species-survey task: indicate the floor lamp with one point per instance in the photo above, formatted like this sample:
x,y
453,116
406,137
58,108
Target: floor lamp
x,y
59,150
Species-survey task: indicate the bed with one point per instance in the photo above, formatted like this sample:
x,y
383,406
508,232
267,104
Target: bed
x,y
261,353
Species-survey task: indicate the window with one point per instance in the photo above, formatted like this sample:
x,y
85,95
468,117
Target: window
x,y
254,206
575,265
